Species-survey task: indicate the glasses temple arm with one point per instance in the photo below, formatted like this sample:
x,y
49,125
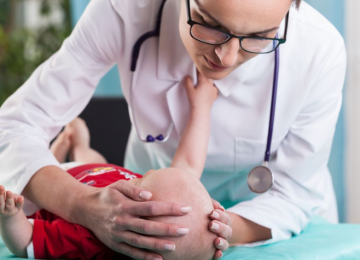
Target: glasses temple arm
x,y
286,24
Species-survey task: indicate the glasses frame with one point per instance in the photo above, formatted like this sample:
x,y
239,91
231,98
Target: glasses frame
x,y
241,38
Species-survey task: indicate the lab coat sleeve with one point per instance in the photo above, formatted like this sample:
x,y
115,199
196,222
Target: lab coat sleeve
x,y
302,179
55,94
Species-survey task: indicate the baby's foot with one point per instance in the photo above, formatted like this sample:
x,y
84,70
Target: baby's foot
x,y
80,136
79,132
61,146
10,203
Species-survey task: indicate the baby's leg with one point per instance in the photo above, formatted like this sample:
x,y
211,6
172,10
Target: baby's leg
x,y
61,146
75,141
80,143
15,229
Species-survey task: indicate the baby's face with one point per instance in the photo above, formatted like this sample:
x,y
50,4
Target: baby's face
x,y
174,185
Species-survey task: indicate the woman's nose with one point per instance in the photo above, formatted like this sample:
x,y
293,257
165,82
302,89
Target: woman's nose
x,y
228,52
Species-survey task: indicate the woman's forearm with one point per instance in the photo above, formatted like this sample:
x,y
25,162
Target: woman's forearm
x,y
246,231
55,190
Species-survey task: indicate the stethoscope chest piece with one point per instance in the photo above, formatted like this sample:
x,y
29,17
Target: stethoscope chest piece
x,y
260,179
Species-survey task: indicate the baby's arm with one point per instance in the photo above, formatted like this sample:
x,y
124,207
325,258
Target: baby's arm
x,y
15,229
191,152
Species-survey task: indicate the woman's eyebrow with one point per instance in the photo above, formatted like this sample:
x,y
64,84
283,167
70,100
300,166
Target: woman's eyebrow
x,y
219,23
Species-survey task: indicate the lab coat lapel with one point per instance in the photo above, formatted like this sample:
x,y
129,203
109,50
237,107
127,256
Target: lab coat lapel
x,y
174,63
173,60
178,104
236,79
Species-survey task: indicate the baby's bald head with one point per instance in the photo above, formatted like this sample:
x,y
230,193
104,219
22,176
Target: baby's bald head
x,y
174,185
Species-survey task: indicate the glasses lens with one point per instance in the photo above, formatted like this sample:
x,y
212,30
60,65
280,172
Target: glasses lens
x,y
208,35
259,45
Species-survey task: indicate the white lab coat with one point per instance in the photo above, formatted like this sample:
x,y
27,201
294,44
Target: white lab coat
x,y
312,71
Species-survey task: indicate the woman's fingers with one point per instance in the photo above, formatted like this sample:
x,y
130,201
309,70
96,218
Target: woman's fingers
x,y
136,253
221,244
132,191
217,205
154,228
156,208
221,229
218,254
149,243
220,215
220,225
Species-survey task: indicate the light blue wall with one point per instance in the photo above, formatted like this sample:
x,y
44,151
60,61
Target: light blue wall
x,y
331,9
110,84
334,11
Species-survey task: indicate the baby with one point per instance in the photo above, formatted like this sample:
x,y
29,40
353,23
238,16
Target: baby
x,y
40,237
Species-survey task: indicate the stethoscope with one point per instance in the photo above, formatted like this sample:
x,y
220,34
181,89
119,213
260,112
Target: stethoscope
x,y
260,178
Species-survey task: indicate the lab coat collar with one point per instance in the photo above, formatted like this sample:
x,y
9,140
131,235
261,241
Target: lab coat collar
x,y
174,62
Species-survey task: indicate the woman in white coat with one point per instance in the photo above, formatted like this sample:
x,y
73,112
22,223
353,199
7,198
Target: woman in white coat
x,y
312,71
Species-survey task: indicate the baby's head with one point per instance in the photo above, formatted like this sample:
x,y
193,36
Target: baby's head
x,y
174,185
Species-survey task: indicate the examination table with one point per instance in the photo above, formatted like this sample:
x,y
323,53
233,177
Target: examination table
x,y
107,119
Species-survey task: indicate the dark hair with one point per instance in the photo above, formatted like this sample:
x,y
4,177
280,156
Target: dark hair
x,y
297,2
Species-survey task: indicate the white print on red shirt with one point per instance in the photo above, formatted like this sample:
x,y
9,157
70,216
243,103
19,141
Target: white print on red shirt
x,y
103,170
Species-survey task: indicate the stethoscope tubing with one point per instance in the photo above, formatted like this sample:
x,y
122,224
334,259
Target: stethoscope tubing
x,y
273,105
154,33
134,58
169,130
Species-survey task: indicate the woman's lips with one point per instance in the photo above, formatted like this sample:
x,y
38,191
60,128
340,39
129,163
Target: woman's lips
x,y
214,66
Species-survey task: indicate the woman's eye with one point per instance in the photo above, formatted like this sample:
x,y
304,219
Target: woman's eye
x,y
259,36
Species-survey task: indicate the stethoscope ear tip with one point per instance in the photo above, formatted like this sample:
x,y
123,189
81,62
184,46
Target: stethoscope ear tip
x,y
151,139
160,137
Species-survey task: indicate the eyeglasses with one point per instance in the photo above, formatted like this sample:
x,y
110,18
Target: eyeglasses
x,y
213,36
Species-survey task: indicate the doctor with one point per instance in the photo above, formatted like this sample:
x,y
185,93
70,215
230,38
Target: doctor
x,y
312,71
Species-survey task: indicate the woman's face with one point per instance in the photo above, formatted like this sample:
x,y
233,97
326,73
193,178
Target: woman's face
x,y
240,17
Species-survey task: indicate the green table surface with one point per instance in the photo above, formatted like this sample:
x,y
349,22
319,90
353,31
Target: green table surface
x,y
319,241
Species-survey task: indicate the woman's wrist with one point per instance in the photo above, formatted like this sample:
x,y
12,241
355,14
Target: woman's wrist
x,y
81,203
246,231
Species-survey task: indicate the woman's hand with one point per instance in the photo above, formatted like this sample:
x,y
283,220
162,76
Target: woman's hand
x,y
221,226
114,214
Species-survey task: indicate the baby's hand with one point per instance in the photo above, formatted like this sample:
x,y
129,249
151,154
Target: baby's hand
x,y
203,94
10,203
